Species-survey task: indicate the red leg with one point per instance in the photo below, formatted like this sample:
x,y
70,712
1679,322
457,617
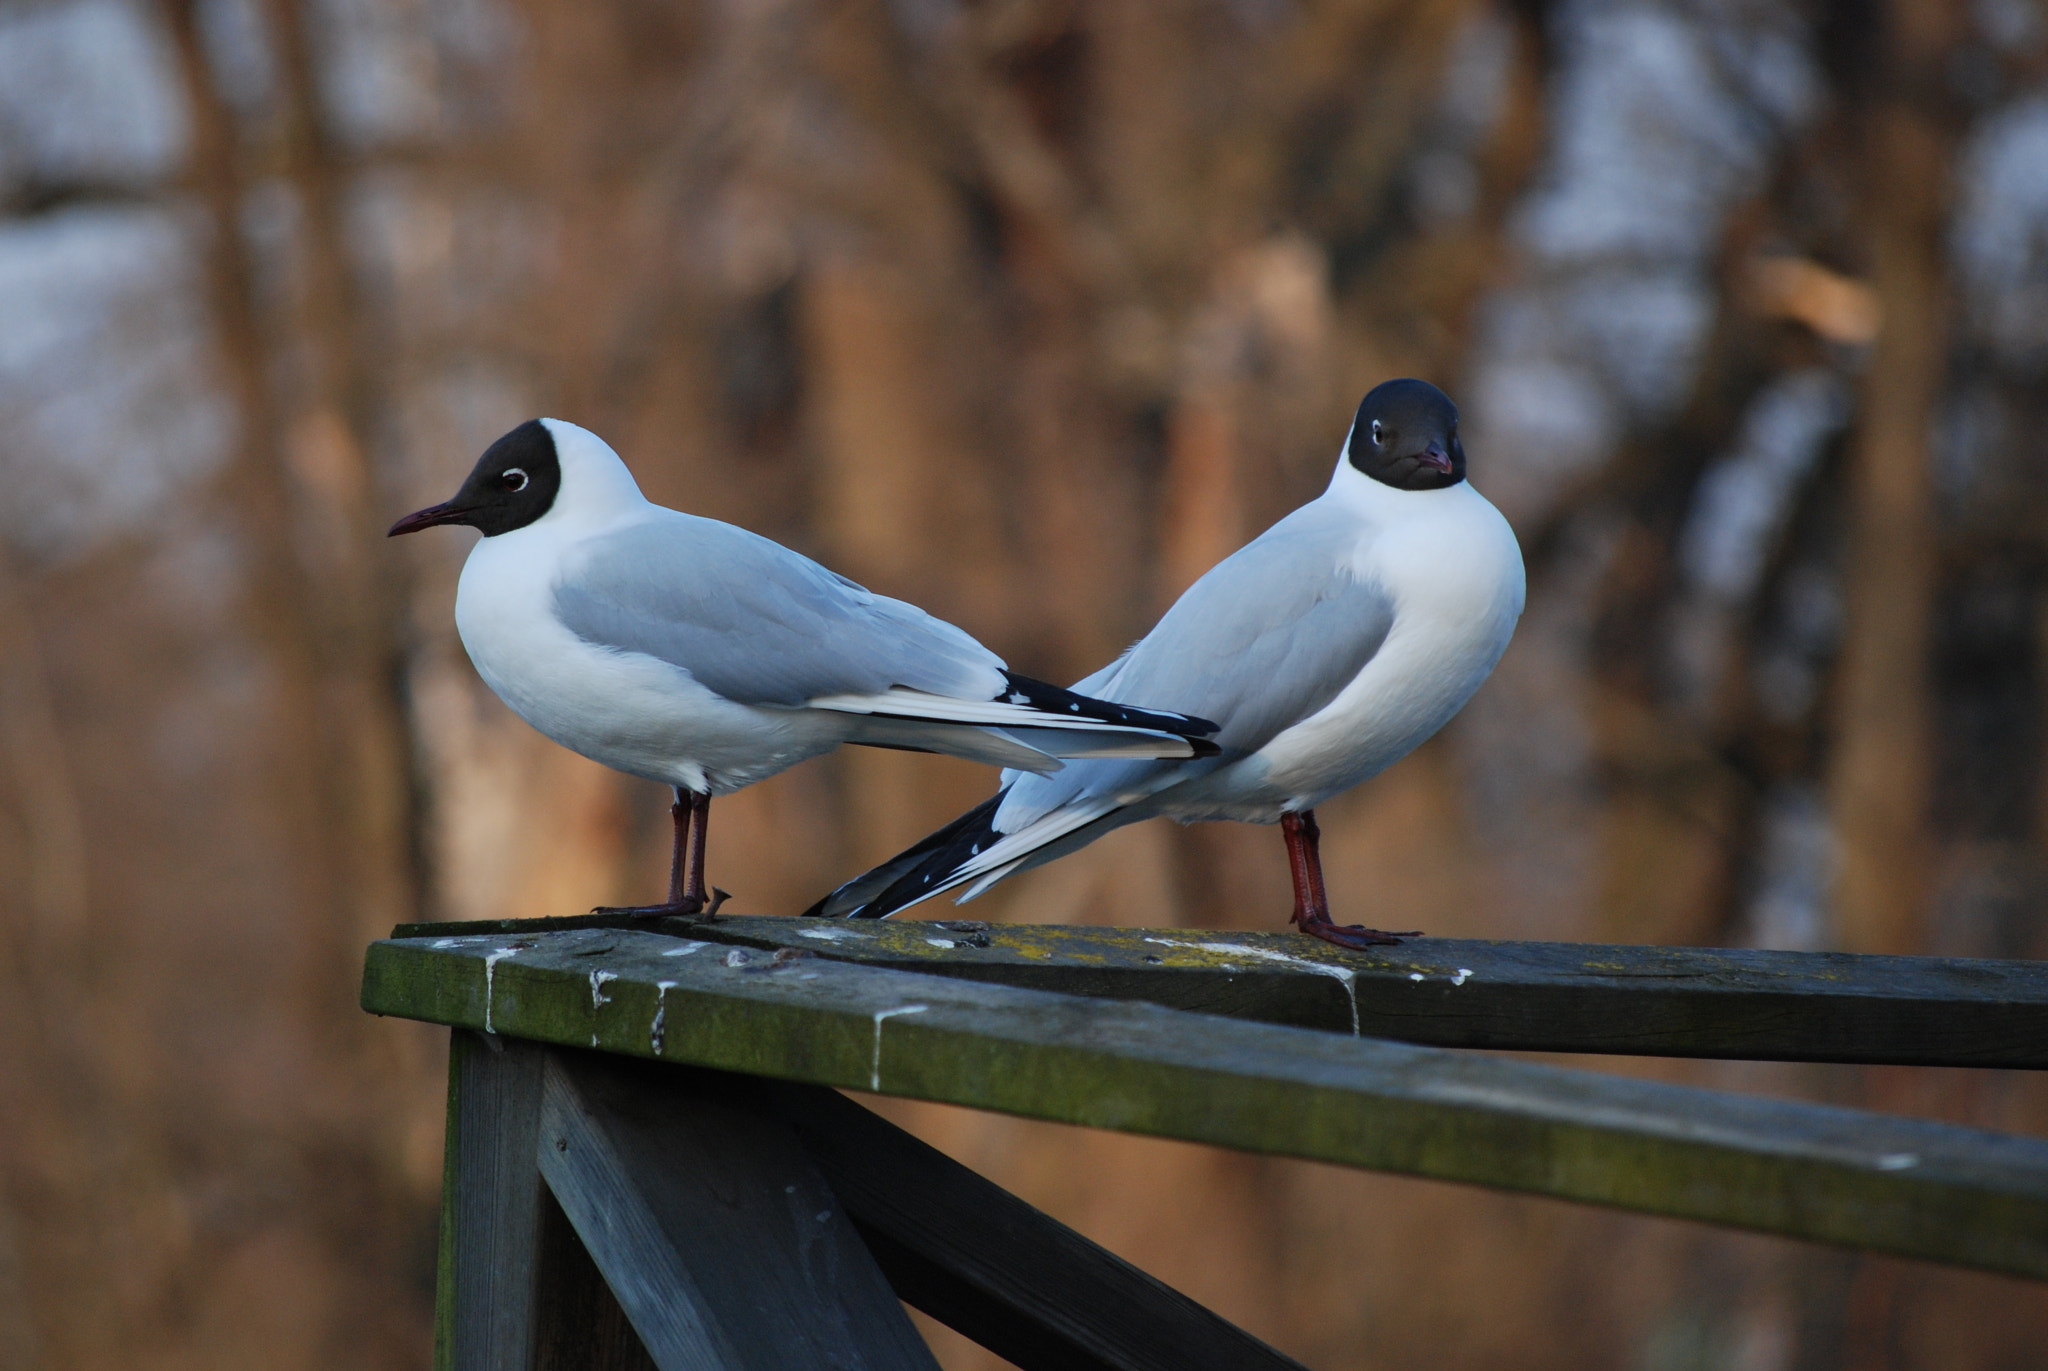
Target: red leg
x,y
1311,902
694,891
684,814
691,814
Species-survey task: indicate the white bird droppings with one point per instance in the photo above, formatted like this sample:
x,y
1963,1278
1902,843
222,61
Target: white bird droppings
x,y
1898,1161
1349,979
875,1070
490,974
1342,974
598,999
736,957
1415,975
657,1032
829,935
1463,972
942,942
685,948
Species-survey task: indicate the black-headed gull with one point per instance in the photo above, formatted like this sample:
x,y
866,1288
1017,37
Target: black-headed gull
x,y
1328,648
706,657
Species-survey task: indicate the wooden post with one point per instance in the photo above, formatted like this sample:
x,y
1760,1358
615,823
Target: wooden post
x,y
490,1206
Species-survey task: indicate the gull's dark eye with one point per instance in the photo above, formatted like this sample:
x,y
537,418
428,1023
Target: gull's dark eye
x,y
1375,433
512,478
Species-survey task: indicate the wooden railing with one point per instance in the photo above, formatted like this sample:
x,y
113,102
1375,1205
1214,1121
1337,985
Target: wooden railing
x,y
729,1209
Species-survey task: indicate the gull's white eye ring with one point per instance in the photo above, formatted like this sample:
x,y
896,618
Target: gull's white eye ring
x,y
1375,433
514,479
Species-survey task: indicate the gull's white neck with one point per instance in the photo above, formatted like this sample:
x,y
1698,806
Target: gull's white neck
x,y
597,490
1357,493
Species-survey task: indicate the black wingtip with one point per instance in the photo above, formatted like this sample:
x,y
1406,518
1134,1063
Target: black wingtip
x,y
1052,699
909,875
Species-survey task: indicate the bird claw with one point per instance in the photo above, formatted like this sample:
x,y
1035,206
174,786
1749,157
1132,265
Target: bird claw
x,y
1353,936
696,908
685,909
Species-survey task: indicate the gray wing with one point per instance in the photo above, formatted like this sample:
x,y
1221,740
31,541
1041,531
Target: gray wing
x,y
756,622
1264,640
1268,637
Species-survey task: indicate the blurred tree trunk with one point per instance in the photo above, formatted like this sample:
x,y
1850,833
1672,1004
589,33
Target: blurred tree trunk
x,y
370,782
1881,769
301,497
255,489
305,497
1882,762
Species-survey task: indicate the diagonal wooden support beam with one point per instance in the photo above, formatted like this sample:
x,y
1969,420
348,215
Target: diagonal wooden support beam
x,y
578,1324
985,1263
723,1245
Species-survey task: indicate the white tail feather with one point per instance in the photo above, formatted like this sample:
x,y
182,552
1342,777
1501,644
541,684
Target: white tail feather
x,y
1104,739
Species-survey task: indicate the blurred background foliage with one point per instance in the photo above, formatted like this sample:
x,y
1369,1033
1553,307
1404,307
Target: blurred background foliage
x,y
1026,311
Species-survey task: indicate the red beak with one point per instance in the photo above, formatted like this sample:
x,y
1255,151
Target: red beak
x,y
430,517
1433,455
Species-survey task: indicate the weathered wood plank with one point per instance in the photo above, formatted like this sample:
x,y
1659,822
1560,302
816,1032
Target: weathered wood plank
x,y
982,1261
1445,992
722,1244
490,1210
1833,1175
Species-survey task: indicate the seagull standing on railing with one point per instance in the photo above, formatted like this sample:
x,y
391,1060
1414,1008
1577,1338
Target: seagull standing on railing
x,y
706,657
1328,648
